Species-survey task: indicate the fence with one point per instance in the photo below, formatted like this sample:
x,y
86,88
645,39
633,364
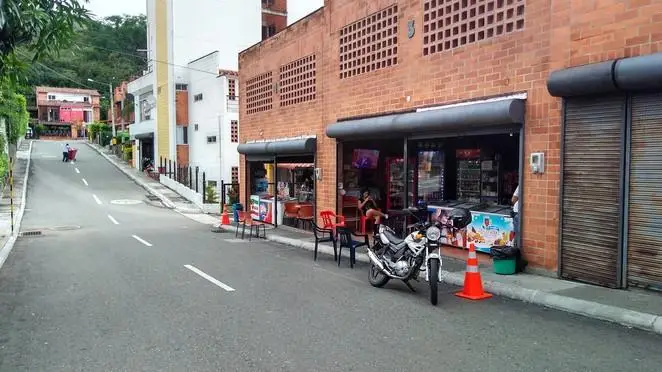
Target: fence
x,y
229,193
188,176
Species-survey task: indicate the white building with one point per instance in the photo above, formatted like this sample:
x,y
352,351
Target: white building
x,y
179,31
213,130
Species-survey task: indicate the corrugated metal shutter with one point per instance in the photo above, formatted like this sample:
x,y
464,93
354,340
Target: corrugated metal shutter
x,y
592,163
645,194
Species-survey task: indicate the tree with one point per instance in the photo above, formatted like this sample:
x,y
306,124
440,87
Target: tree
x,y
41,26
13,109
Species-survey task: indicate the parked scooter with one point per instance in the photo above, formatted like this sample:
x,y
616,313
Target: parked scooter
x,y
396,258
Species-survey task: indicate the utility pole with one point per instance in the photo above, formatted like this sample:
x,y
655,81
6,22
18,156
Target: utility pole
x,y
111,98
112,106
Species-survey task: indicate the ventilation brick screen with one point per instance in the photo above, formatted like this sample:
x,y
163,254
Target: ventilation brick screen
x,y
234,131
448,24
297,81
235,175
370,43
259,93
232,89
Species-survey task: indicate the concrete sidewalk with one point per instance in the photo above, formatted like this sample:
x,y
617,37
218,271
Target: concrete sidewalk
x,y
631,308
12,204
168,197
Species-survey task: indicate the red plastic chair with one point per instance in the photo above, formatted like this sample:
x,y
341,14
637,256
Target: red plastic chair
x,y
330,220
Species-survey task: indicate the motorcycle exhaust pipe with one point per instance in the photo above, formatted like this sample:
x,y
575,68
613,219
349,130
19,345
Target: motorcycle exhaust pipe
x,y
377,262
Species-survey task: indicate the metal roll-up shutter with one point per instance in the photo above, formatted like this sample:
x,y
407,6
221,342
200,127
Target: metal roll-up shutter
x,y
644,240
591,203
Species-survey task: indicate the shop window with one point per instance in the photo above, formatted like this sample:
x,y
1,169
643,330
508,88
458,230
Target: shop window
x,y
298,81
232,89
234,131
211,139
370,43
235,175
455,23
259,93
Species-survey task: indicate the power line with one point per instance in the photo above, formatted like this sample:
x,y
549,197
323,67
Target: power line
x,y
148,60
64,76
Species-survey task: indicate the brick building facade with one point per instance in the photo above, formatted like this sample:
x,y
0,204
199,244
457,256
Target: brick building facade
x,y
432,53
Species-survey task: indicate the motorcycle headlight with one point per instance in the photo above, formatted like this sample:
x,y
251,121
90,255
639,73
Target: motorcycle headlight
x,y
433,233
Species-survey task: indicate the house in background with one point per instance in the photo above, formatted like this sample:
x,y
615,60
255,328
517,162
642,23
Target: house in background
x,y
64,112
124,108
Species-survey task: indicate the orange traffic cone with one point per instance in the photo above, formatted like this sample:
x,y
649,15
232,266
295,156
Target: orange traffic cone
x,y
225,219
473,284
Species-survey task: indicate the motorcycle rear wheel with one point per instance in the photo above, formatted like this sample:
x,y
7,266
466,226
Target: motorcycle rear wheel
x,y
376,277
434,280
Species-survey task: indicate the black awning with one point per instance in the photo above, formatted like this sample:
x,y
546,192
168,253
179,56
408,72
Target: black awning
x,y
289,147
623,75
472,116
144,136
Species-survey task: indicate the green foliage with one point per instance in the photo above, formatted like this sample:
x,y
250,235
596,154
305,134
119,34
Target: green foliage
x,y
127,152
13,108
106,53
123,137
233,195
42,27
211,196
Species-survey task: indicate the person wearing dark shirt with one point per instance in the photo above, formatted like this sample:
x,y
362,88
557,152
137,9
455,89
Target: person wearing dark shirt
x,y
369,207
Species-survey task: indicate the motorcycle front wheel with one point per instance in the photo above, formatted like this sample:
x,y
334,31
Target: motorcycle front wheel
x,y
434,280
376,277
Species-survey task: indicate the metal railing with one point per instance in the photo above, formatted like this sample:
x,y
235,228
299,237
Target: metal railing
x,y
185,175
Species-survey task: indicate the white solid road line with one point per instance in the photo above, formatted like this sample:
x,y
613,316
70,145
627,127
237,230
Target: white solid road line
x,y
96,199
211,279
77,170
85,182
113,220
142,240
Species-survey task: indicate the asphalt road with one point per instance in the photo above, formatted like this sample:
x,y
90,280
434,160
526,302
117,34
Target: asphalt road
x,y
106,288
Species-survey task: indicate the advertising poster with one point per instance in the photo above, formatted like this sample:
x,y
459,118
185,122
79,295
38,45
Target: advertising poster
x,y
457,238
485,230
255,207
266,211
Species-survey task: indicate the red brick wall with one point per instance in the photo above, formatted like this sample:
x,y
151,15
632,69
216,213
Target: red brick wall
x,y
557,34
278,21
181,108
182,155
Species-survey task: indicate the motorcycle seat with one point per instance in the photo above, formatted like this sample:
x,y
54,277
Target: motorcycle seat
x,y
393,238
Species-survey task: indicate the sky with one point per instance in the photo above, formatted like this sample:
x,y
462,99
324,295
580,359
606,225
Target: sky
x,y
104,8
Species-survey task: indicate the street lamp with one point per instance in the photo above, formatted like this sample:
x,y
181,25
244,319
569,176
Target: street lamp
x,y
111,99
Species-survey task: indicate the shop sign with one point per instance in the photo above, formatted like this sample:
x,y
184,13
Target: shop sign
x,y
261,210
485,230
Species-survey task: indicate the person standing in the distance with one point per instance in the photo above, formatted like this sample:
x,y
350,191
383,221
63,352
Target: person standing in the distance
x,y
515,214
65,153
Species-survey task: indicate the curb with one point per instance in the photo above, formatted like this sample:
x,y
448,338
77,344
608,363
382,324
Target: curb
x,y
141,183
613,314
9,244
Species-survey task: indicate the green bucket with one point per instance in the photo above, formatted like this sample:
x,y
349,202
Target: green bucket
x,y
506,266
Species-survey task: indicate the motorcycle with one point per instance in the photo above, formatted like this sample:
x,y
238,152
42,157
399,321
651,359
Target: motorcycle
x,y
392,257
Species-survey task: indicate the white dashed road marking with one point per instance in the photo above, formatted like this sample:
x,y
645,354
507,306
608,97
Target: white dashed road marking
x,y
142,240
210,278
96,199
85,182
113,220
77,170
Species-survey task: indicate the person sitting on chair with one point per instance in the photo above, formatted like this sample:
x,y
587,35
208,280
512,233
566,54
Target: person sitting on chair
x,y
369,208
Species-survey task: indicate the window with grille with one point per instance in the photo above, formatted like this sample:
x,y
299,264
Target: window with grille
x,y
211,139
259,93
232,89
235,175
370,43
298,81
234,131
451,24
